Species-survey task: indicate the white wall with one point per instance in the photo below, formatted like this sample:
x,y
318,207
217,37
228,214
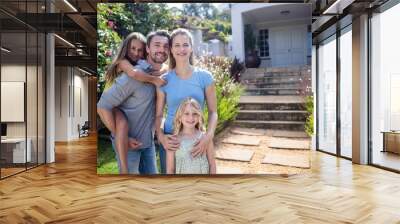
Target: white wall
x,y
61,103
79,117
71,94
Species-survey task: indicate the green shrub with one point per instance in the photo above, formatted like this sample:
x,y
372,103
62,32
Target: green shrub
x,y
228,92
309,126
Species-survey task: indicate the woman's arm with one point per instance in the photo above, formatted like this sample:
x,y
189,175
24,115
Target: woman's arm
x,y
137,74
211,98
160,103
168,141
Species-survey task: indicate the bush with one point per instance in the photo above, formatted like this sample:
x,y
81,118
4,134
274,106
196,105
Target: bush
x,y
309,126
227,90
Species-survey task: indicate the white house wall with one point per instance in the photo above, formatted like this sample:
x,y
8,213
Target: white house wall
x,y
242,13
238,25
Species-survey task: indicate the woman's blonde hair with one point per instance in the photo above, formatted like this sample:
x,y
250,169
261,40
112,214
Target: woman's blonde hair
x,y
176,32
179,112
112,70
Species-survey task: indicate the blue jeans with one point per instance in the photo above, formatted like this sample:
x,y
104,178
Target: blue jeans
x,y
141,161
163,158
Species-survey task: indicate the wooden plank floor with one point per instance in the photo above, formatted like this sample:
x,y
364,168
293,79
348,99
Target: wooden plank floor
x,y
69,191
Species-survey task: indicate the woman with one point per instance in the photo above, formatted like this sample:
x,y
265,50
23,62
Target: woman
x,y
184,80
132,49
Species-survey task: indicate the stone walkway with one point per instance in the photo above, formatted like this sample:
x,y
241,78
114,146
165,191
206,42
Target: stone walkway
x,y
276,161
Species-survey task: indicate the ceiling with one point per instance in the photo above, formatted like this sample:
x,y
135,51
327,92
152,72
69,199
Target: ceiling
x,y
75,26
278,12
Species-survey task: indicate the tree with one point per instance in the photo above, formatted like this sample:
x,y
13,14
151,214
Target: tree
x,y
224,16
191,9
208,11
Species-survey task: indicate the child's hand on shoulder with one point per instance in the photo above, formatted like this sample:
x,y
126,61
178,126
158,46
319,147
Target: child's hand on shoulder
x,y
158,81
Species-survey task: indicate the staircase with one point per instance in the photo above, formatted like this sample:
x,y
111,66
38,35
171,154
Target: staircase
x,y
274,98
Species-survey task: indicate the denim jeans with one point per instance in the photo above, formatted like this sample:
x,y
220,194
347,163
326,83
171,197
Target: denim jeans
x,y
141,161
163,157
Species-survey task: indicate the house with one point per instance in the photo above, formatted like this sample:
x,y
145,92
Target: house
x,y
212,47
282,32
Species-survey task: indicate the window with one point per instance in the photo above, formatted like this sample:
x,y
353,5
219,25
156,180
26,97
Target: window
x,y
327,95
263,43
385,89
346,92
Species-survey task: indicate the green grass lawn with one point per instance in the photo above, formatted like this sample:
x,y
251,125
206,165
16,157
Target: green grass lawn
x,y
106,162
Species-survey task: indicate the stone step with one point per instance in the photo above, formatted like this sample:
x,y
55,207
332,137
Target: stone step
x,y
278,69
272,78
272,99
272,91
275,85
277,125
272,115
271,106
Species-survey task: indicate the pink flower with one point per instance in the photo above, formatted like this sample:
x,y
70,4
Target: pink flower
x,y
108,53
110,24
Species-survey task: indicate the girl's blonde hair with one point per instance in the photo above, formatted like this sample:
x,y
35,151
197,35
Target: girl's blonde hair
x,y
176,32
112,70
179,112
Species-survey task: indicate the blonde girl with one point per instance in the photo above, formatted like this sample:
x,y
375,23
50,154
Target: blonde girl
x,y
188,127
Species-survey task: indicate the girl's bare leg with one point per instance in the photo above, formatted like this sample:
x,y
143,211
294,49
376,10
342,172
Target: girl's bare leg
x,y
121,139
211,158
170,161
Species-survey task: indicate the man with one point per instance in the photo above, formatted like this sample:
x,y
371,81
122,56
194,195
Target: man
x,y
137,101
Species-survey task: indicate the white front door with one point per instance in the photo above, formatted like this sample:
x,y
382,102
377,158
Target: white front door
x,y
288,46
280,47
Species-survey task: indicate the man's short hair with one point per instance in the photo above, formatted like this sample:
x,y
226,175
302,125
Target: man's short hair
x,y
163,33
